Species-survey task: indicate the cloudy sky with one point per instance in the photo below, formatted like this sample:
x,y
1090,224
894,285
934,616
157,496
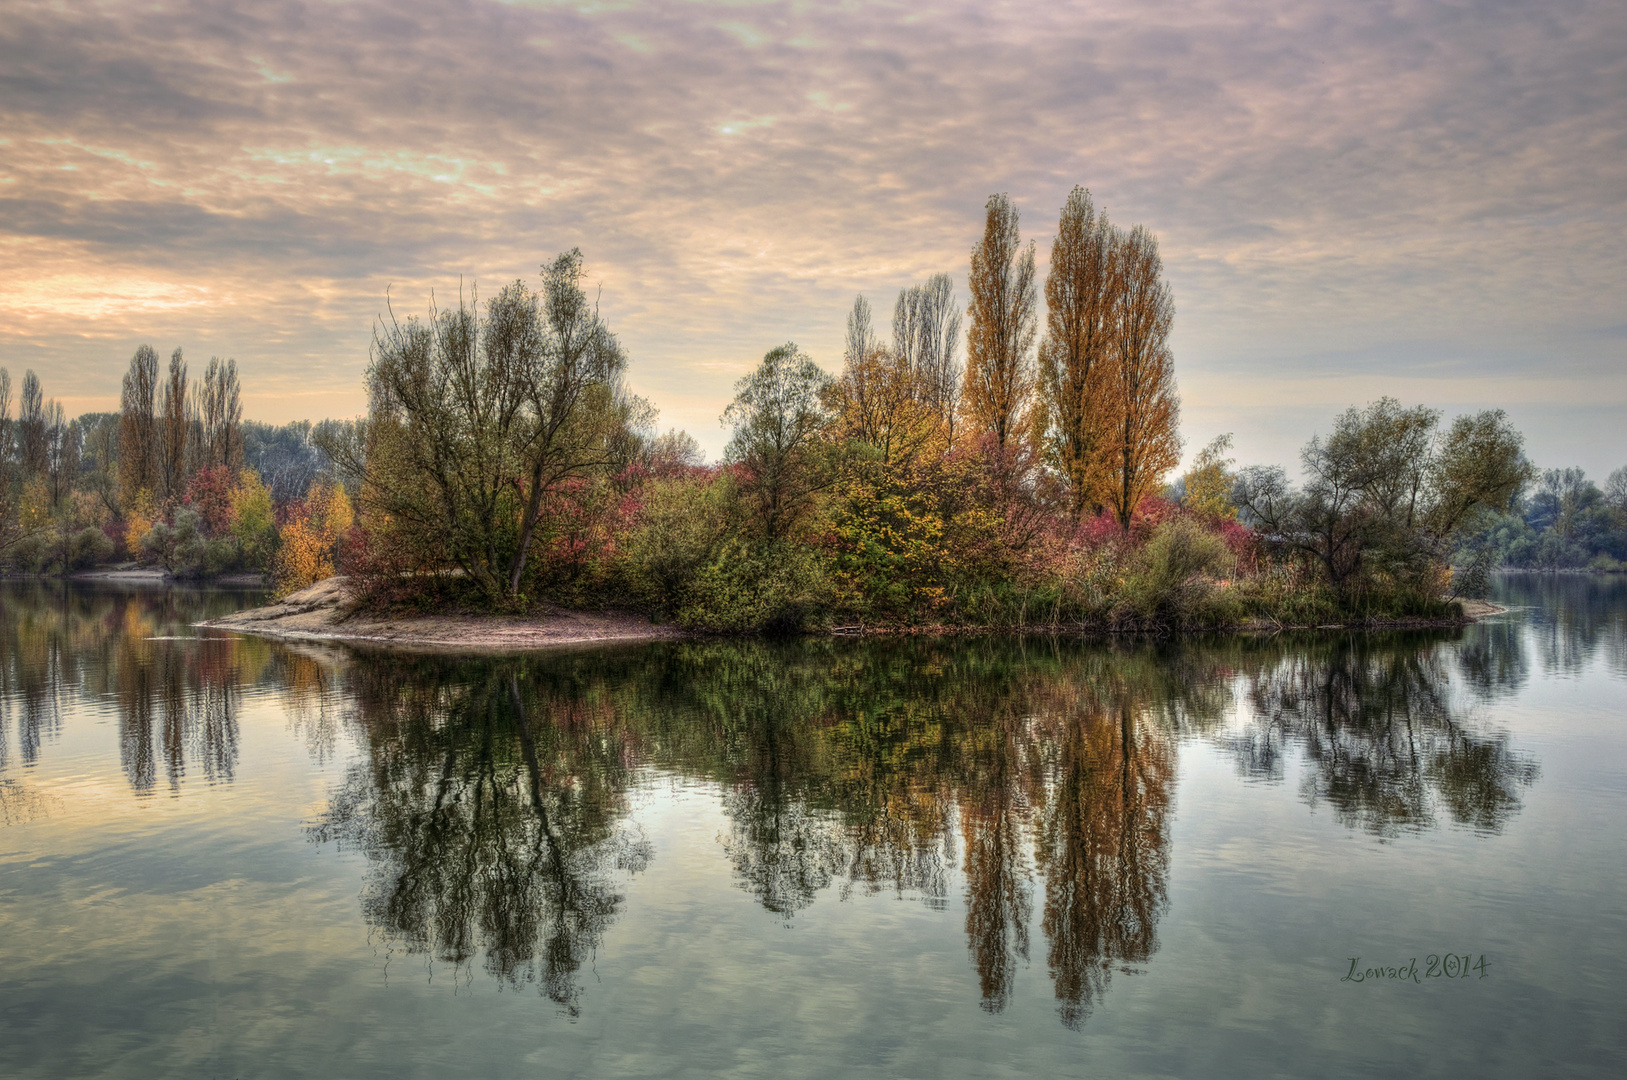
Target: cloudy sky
x,y
1427,200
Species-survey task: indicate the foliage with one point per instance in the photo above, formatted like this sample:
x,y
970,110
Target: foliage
x,y
477,414
309,540
1384,498
1208,484
999,365
777,414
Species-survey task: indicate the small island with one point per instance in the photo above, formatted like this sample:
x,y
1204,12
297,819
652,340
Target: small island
x,y
506,489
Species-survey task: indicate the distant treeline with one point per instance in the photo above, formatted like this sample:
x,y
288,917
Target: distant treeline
x,y
503,463
1565,522
175,479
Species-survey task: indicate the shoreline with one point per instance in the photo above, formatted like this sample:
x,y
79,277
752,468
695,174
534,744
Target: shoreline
x,y
322,613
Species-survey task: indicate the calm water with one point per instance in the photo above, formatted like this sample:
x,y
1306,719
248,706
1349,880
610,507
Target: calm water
x,y
222,857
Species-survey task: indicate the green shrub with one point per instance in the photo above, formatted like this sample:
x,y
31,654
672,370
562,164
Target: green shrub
x,y
1170,581
56,552
684,525
766,586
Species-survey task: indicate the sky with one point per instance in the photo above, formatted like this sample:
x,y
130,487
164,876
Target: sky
x,y
1420,200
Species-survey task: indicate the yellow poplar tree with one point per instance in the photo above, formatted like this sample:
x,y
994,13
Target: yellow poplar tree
x,y
1145,442
999,368
1074,383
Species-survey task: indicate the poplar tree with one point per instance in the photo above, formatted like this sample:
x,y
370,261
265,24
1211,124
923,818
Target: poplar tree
x,y
173,431
999,367
926,338
138,428
1074,362
1145,443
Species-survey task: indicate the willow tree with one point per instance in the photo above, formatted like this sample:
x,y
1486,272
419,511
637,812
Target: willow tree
x,y
1074,356
777,414
1144,442
476,414
999,367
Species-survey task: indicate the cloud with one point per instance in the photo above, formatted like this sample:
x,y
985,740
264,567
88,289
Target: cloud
x,y
1334,185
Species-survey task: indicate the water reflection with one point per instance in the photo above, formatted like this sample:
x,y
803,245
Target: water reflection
x,y
177,694
1388,746
490,814
1031,781
1573,617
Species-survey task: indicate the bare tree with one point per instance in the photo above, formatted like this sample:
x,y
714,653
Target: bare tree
x,y
61,453
999,365
1145,440
219,412
5,427
926,338
1074,355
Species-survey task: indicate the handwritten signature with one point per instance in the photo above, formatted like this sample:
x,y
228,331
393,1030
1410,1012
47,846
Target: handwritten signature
x,y
1436,966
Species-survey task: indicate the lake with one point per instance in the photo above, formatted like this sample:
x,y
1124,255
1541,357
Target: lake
x,y
1329,854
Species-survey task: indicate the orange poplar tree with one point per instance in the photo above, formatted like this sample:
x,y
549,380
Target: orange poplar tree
x,y
1074,383
1145,442
999,367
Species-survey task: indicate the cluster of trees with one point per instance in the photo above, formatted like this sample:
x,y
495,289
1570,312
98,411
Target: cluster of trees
x,y
503,462
174,479
1566,522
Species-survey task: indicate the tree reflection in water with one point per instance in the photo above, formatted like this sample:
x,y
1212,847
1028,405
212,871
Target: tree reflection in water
x,y
1387,744
489,808
1034,778
178,693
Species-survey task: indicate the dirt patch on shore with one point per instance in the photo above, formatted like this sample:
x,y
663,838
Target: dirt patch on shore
x,y
325,612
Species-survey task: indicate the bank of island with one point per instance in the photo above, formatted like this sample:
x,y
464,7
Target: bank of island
x,y
327,611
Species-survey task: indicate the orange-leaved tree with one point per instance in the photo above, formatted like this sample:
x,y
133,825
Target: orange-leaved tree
x,y
999,367
1145,442
1075,387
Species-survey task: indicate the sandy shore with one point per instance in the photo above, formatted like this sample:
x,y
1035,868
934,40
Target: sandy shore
x,y
323,612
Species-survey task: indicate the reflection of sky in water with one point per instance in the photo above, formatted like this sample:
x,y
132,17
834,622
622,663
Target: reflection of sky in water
x,y
225,856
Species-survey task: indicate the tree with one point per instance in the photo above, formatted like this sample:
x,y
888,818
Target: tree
x,y
138,428
1144,443
477,414
1074,354
5,426
777,414
173,432
880,399
999,367
61,453
1479,465
219,410
1208,483
1383,495
32,426
1615,490
926,339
